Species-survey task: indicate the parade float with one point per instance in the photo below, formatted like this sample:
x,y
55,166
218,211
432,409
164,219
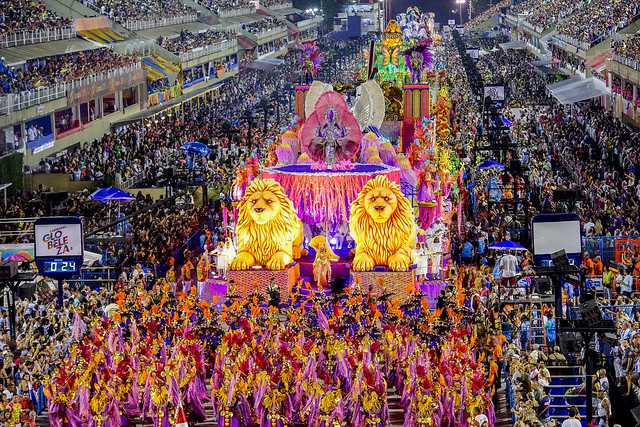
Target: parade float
x,y
326,170
327,162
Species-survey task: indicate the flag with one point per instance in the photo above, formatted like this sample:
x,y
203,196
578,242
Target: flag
x,y
181,419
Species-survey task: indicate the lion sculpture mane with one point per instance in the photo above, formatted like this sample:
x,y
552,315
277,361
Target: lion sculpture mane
x,y
383,226
269,231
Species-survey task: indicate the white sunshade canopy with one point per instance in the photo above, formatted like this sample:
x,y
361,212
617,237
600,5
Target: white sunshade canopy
x,y
577,89
516,44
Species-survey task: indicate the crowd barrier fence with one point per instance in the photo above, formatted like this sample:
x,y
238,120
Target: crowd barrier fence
x,y
24,38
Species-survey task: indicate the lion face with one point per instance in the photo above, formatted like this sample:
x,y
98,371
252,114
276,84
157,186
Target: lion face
x,y
380,204
264,206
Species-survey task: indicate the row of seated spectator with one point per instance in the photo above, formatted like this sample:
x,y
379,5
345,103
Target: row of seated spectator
x,y
220,6
51,70
264,25
628,48
124,10
275,3
28,15
598,19
487,14
274,46
547,13
187,40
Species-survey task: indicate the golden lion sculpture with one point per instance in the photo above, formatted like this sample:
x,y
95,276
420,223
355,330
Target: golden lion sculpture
x,y
269,231
383,226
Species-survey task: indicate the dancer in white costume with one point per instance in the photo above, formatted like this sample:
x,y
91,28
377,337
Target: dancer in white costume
x,y
228,254
436,251
422,261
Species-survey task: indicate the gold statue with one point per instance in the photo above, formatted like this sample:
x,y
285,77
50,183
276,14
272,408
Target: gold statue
x,y
383,226
269,231
391,43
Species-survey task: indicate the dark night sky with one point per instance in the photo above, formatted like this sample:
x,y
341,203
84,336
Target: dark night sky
x,y
442,8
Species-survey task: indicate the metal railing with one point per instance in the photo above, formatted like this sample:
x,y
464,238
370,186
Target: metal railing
x,y
208,50
604,246
39,36
304,24
96,277
282,5
19,101
229,13
625,60
572,41
138,25
269,33
535,28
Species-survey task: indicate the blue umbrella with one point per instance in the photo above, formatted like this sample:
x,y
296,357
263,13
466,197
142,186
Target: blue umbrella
x,y
490,164
112,194
507,245
196,147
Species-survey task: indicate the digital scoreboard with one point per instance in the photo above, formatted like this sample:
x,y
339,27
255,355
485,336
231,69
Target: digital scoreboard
x,y
59,246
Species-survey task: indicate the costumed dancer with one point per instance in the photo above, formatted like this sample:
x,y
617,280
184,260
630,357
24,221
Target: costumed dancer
x,y
422,260
187,272
436,252
426,198
322,262
202,273
228,254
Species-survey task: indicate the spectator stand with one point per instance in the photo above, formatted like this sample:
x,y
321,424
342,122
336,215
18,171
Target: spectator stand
x,y
275,4
229,8
265,30
29,22
35,85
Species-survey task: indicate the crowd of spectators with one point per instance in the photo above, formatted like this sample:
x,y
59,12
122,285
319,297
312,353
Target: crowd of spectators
x,y
28,15
486,14
272,46
579,149
275,3
267,24
628,47
187,40
123,11
546,13
52,70
598,19
514,68
221,6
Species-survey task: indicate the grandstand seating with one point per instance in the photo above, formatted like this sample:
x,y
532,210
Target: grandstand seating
x,y
564,379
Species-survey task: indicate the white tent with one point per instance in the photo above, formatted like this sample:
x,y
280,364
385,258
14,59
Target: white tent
x,y
516,44
577,89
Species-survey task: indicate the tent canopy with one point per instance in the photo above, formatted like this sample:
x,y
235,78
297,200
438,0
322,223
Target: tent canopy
x,y
576,90
196,147
265,64
490,164
516,44
507,245
112,194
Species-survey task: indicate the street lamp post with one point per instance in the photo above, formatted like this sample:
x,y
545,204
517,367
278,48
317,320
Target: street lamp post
x,y
460,3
